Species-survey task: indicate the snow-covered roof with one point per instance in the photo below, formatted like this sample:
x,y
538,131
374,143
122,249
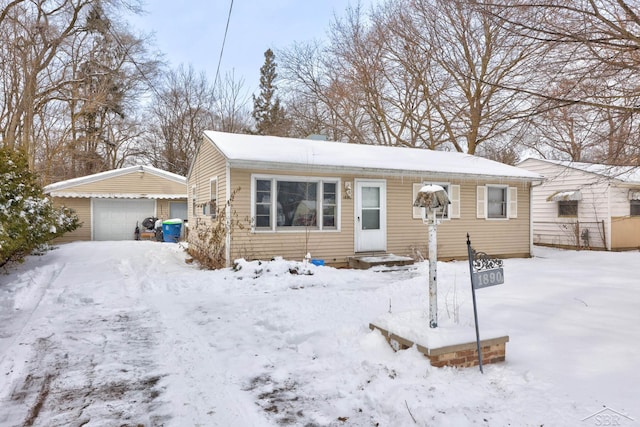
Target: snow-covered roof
x,y
565,196
56,187
628,174
308,154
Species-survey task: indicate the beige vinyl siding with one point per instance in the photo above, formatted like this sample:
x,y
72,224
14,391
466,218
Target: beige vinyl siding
x,y
209,163
131,183
625,232
162,209
504,237
82,208
331,245
405,235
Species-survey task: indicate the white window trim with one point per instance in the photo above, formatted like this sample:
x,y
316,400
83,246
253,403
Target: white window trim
x,y
274,206
482,202
453,209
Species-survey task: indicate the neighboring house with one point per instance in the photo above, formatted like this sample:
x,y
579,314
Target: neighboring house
x,y
585,205
336,200
109,204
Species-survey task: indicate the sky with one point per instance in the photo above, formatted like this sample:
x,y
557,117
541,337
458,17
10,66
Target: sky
x,y
128,333
192,32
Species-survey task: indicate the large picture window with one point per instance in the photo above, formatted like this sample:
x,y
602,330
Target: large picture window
x,y
282,203
635,207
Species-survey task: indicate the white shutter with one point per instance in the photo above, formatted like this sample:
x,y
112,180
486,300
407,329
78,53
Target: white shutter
x,y
454,197
513,202
417,212
481,202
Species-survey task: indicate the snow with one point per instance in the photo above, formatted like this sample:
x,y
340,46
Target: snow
x,y
629,174
87,179
317,155
127,333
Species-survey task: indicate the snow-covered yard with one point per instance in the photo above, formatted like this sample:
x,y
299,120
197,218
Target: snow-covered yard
x,y
127,334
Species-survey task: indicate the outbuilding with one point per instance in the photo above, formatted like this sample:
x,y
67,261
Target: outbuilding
x,y
585,205
110,204
291,197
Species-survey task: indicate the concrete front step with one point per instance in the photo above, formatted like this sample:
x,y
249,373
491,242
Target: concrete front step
x,y
364,262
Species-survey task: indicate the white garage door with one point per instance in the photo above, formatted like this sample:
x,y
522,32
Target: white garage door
x,y
115,219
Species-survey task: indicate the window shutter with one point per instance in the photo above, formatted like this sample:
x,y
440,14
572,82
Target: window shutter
x,y
454,196
481,204
417,212
513,202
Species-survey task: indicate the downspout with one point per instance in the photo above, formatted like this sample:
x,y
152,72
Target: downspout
x,y
531,215
227,214
607,227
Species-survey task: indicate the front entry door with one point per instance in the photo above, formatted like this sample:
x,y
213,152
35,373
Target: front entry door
x,y
370,216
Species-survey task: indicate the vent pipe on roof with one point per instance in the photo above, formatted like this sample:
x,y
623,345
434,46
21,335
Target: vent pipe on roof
x,y
317,137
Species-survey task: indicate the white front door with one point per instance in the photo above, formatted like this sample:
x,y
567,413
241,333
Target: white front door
x,y
371,216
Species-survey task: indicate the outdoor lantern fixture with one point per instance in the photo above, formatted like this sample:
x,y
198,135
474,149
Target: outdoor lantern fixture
x,y
433,199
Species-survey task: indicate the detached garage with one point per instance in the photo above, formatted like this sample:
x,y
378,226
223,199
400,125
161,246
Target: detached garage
x,y
110,204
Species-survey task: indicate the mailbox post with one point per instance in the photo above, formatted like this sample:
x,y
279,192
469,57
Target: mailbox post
x,y
433,199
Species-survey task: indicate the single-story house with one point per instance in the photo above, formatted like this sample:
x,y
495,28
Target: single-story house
x,y
110,204
336,201
585,205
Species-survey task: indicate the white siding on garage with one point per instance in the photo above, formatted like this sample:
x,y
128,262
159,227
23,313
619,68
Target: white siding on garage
x,y
115,219
178,210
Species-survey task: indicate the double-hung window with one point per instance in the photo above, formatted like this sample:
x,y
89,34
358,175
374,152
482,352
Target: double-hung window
x,y
497,202
282,203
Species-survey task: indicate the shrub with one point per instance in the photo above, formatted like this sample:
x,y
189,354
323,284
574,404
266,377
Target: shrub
x,y
209,244
28,219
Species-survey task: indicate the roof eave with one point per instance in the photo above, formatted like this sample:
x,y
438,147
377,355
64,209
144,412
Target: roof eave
x,y
281,166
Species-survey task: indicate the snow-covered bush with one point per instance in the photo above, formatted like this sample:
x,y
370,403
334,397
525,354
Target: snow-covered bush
x,y
28,219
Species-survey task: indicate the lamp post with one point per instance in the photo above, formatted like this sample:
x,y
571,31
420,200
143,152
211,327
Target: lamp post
x,y
433,199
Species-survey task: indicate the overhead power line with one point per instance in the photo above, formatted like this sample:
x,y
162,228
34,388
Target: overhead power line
x,y
224,39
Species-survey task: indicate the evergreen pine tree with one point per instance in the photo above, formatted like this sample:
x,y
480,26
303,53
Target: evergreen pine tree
x,y
267,112
27,218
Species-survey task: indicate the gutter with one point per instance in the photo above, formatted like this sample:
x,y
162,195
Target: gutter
x,y
341,170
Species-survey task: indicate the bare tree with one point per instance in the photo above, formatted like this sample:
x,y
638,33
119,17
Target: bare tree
x,y
231,105
182,108
420,73
33,34
589,73
71,77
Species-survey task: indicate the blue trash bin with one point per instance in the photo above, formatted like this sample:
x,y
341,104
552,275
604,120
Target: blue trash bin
x,y
171,230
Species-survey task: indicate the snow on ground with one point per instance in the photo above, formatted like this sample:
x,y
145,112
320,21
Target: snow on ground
x,y
127,333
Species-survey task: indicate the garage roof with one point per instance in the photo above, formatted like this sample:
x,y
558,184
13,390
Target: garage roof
x,y
58,189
